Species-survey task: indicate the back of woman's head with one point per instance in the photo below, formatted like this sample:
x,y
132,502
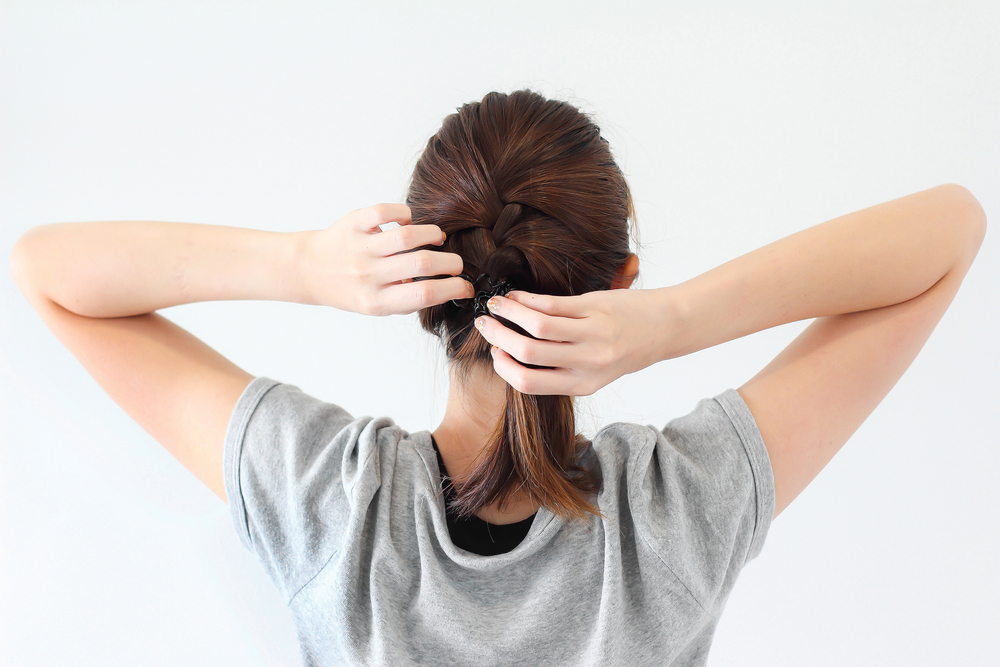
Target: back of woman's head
x,y
526,191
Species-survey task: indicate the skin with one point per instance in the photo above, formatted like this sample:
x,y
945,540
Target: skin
x,y
876,281
473,408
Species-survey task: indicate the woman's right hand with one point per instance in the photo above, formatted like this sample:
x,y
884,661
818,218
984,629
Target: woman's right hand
x,y
353,265
585,341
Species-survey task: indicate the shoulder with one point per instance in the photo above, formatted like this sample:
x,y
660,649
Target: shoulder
x,y
720,432
706,471
293,431
297,471
291,422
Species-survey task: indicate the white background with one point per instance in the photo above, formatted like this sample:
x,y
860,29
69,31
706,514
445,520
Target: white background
x,y
735,125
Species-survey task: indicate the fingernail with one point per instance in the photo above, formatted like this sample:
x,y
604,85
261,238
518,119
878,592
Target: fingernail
x,y
471,290
493,349
479,323
493,303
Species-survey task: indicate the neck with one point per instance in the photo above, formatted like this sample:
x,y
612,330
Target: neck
x,y
475,404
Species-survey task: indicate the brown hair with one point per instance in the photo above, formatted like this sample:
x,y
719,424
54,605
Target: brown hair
x,y
525,190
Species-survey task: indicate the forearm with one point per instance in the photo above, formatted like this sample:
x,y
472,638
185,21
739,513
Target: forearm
x,y
119,269
872,258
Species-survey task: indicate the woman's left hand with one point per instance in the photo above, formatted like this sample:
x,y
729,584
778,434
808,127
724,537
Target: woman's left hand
x,y
585,341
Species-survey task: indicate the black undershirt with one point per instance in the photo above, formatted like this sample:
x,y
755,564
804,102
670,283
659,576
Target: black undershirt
x,y
474,534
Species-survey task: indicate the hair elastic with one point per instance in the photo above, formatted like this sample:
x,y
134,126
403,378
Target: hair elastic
x,y
478,302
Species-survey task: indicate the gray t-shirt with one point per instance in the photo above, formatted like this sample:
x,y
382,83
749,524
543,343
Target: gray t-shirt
x,y
347,518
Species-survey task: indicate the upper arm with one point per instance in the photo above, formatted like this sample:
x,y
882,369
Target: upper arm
x,y
816,393
176,387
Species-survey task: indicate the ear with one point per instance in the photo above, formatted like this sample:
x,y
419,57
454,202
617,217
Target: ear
x,y
626,273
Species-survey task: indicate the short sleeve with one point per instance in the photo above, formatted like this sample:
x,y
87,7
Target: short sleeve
x,y
290,464
759,465
705,494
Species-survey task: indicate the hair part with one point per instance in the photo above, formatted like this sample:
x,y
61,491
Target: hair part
x,y
526,190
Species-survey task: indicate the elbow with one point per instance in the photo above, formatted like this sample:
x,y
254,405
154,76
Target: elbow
x,y
23,262
970,216
979,218
962,223
20,261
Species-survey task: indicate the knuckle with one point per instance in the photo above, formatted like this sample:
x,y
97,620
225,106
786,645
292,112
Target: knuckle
x,y
542,328
531,386
424,294
422,262
369,304
605,357
526,353
359,272
520,381
404,236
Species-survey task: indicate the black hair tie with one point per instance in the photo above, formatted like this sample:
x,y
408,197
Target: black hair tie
x,y
478,302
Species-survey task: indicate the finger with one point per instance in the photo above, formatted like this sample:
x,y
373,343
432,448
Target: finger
x,y
559,306
527,350
402,239
545,382
537,323
369,219
419,264
410,297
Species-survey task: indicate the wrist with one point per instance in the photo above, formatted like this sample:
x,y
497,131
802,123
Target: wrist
x,y
299,267
669,312
244,264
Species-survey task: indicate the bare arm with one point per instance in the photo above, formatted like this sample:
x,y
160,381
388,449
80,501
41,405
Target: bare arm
x,y
878,280
876,257
97,285
119,269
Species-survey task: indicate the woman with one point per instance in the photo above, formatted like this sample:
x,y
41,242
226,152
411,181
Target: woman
x,y
503,537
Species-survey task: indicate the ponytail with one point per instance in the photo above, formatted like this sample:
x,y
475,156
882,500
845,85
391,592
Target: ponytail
x,y
534,449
